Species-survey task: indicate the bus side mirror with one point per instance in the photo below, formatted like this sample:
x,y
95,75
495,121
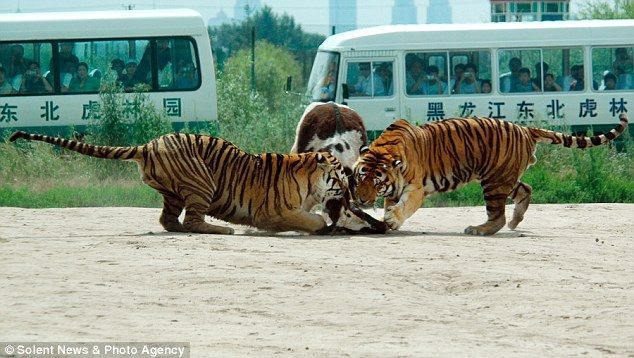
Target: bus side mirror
x,y
289,82
345,90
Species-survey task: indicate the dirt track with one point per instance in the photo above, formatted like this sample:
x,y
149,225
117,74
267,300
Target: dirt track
x,y
561,285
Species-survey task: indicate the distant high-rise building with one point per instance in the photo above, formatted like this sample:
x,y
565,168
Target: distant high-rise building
x,y
221,18
404,12
536,10
244,8
439,12
343,15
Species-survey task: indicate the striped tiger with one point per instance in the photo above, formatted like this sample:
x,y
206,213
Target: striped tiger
x,y
406,163
210,176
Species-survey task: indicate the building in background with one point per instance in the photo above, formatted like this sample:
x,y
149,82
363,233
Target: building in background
x,y
220,18
404,12
439,12
523,10
343,15
244,8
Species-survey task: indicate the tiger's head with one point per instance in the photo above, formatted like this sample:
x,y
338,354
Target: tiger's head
x,y
334,181
377,173
337,200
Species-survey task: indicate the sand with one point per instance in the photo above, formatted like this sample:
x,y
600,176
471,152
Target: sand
x,y
562,285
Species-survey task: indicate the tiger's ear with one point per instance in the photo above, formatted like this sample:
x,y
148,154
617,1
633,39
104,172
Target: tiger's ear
x,y
363,149
322,161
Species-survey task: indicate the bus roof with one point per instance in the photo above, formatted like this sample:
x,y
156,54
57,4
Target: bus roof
x,y
95,24
462,36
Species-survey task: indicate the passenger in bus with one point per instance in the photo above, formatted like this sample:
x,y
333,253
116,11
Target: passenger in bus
x,y
525,84
164,54
5,86
550,85
5,54
327,90
165,65
366,80
186,77
609,82
485,86
118,66
458,76
164,60
415,77
33,82
468,83
509,80
17,66
433,85
128,79
538,73
68,71
83,82
385,73
66,53
577,79
623,68
68,63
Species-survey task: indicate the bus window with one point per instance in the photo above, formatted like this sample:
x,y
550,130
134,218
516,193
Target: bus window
x,y
565,65
470,70
84,64
517,69
384,71
426,73
323,77
363,80
26,68
613,68
184,73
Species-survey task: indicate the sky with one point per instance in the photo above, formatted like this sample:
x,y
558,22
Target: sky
x,y
312,15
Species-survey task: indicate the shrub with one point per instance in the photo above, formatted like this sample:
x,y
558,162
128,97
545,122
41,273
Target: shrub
x,y
127,118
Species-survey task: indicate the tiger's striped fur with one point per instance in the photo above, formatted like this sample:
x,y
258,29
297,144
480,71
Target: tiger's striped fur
x,y
210,176
408,162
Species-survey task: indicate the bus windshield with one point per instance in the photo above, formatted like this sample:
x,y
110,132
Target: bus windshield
x,y
322,84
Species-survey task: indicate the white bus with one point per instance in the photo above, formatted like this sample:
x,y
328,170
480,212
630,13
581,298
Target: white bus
x,y
569,73
52,66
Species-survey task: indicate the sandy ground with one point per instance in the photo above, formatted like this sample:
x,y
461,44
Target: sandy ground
x,y
562,285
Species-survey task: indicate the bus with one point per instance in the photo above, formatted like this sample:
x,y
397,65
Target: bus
x,y
53,65
572,74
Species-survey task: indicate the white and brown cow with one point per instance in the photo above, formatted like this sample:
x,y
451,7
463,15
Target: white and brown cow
x,y
331,127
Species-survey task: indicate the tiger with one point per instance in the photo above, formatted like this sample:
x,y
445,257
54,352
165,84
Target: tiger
x,y
407,162
205,175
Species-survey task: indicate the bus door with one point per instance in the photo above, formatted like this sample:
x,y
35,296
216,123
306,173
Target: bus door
x,y
371,91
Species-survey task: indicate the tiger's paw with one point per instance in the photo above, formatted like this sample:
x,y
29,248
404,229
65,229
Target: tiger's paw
x,y
474,230
484,229
393,217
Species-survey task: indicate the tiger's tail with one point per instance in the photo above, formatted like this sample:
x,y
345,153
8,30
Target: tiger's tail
x,y
570,141
97,151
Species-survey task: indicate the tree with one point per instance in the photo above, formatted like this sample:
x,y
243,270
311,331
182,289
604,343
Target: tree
x,y
599,9
263,120
278,30
272,65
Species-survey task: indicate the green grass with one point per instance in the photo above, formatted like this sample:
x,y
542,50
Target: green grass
x,y
100,194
